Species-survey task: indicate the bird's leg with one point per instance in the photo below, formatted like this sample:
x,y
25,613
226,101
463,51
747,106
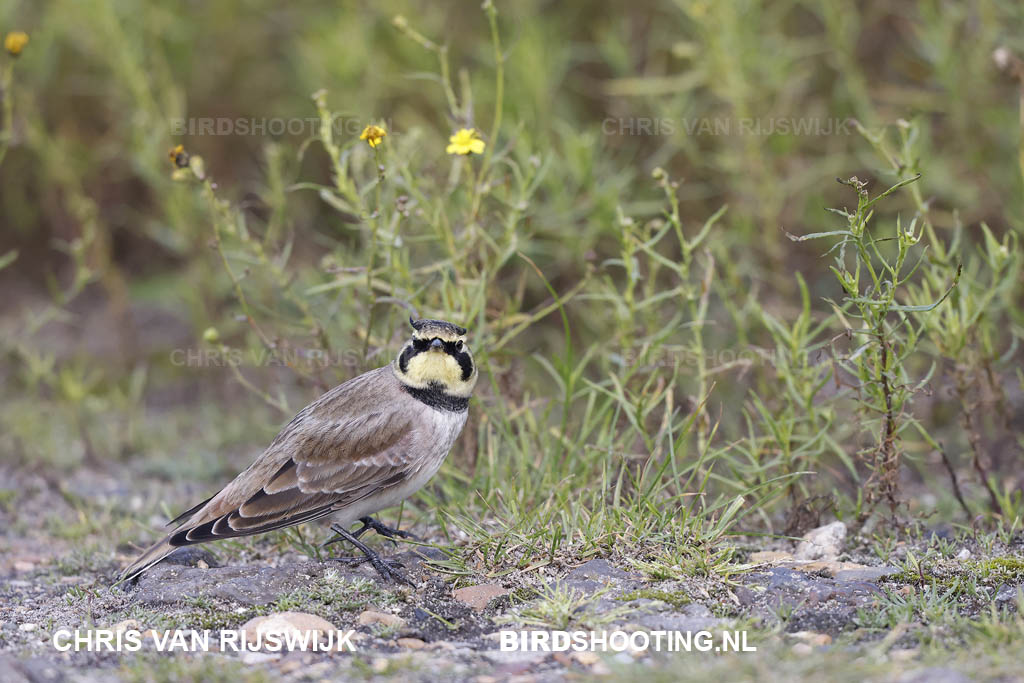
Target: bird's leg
x,y
338,537
388,570
384,530
337,529
370,523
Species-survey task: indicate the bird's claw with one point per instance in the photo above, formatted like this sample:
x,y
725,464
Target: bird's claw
x,y
385,531
388,569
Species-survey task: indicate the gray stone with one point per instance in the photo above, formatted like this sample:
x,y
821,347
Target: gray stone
x,y
584,588
781,578
190,556
646,605
819,604
412,559
514,657
781,585
164,585
669,621
831,618
696,610
600,570
1007,594
933,674
39,670
10,671
867,574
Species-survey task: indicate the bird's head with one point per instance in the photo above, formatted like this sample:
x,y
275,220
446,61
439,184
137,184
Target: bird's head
x,y
437,357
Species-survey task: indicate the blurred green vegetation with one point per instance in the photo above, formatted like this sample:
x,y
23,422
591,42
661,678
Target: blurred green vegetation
x,y
664,356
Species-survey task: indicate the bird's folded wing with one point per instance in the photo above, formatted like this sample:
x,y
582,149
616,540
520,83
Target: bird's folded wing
x,y
312,469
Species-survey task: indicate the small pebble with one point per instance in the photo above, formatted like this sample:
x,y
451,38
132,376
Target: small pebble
x,y
249,657
812,638
126,625
371,617
411,643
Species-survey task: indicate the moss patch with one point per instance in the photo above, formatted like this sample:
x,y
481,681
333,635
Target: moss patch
x,y
1006,568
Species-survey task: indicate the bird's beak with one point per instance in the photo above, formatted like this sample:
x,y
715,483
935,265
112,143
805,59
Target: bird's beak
x,y
436,345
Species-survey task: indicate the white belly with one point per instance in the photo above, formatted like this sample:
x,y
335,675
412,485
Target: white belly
x,y
446,427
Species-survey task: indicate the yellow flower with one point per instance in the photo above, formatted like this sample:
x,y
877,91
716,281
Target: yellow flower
x,y
15,42
465,141
373,135
178,156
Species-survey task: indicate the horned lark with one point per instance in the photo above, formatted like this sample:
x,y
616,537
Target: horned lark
x,y
363,446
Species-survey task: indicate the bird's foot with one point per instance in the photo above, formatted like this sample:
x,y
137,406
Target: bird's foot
x,y
388,569
370,523
384,530
391,570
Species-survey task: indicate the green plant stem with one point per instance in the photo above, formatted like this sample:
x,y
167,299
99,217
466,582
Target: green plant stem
x,y
499,97
375,219
7,111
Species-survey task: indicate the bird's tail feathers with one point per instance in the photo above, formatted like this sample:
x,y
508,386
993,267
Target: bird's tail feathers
x,y
154,554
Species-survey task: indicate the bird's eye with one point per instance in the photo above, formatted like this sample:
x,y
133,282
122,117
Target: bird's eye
x,y
458,345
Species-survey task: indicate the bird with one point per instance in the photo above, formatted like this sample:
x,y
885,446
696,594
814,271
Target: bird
x,y
363,446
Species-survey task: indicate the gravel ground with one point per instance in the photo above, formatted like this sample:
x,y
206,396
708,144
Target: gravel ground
x,y
796,602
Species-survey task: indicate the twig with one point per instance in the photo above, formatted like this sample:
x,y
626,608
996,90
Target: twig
x,y
956,484
974,438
